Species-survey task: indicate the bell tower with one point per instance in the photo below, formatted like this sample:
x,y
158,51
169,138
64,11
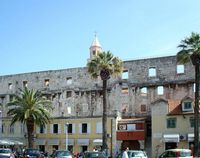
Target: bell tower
x,y
95,47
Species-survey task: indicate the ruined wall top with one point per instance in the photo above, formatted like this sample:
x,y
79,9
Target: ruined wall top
x,y
142,71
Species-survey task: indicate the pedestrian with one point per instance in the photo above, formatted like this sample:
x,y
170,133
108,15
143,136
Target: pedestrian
x,y
94,149
192,149
125,154
53,153
81,154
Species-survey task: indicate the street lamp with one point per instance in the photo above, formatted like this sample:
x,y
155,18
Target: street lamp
x,y
0,123
67,124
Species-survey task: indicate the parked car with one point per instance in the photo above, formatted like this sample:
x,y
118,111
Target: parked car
x,y
6,153
32,153
137,154
180,153
62,154
134,154
119,155
94,154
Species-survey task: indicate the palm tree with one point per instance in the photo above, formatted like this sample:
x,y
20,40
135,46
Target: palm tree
x,y
105,65
31,108
190,51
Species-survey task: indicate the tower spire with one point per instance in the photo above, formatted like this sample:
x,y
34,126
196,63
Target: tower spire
x,y
95,47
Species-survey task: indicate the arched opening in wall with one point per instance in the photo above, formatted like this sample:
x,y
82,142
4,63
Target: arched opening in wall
x,y
131,144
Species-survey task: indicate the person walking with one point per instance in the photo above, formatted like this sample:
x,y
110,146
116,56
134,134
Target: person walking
x,y
53,153
125,153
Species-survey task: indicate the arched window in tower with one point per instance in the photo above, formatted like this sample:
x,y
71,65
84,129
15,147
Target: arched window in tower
x,y
95,47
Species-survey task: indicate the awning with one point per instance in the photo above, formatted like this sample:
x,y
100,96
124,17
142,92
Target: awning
x,y
17,142
40,141
70,141
10,141
83,141
97,141
6,142
53,141
190,137
171,137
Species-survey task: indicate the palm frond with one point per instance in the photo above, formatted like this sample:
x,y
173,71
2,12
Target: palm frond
x,y
30,104
105,61
189,45
183,57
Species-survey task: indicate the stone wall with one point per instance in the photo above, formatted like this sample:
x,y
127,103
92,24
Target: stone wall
x,y
75,94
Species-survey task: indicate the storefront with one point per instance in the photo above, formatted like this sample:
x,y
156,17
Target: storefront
x,y
171,140
132,133
97,144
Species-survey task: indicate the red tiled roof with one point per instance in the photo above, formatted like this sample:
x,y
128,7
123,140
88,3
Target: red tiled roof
x,y
175,108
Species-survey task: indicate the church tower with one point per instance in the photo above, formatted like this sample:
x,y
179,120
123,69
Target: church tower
x,y
95,47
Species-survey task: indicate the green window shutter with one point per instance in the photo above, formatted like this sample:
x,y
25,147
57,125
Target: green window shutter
x,y
171,123
192,122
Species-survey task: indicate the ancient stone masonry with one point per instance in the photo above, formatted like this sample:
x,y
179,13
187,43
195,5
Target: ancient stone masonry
x,y
75,94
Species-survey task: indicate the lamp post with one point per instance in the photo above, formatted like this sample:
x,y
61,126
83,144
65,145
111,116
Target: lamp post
x,y
66,135
0,123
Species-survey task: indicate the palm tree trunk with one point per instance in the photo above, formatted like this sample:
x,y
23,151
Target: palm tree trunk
x,y
104,118
196,112
30,129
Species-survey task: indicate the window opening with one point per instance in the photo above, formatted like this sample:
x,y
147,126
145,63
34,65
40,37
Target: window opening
x,y
41,129
194,87
125,90
152,72
69,94
12,129
187,105
84,128
46,81
180,69
160,90
125,75
192,122
55,128
10,85
171,123
69,128
143,108
69,110
144,91
25,83
69,80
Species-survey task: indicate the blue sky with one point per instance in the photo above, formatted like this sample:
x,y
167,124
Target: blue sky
x,y
40,35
